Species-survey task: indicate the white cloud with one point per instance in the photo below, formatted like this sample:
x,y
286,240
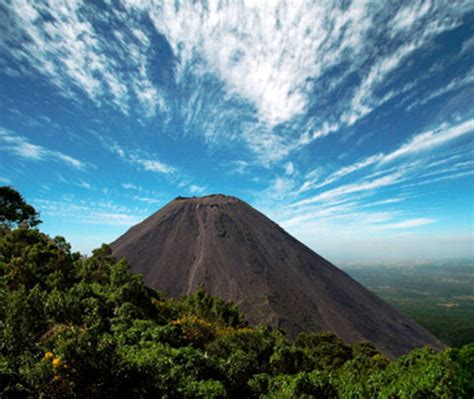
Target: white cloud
x,y
311,177
352,188
467,46
342,172
20,146
69,160
154,165
275,59
238,167
319,213
196,189
409,15
103,213
421,142
265,52
456,84
110,219
130,186
323,131
148,200
269,55
141,158
116,149
450,176
378,201
431,139
385,202
289,168
282,187
84,185
363,100
60,40
418,23
410,223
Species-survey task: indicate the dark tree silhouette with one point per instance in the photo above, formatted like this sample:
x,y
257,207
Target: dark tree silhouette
x,y
14,210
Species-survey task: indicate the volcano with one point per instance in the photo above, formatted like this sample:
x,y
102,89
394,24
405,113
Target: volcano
x,y
237,253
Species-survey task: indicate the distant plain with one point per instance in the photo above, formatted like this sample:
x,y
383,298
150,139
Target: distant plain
x,y
439,297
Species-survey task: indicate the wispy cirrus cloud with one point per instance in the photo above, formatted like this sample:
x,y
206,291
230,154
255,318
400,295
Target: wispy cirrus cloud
x,y
261,73
130,186
147,162
238,167
410,223
62,41
311,183
197,189
92,212
457,83
372,193
352,188
20,146
153,165
141,159
418,143
433,138
148,200
84,185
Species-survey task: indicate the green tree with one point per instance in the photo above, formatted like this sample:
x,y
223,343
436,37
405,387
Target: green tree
x,y
14,209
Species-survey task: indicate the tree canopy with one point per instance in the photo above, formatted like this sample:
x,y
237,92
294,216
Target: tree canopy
x,y
14,209
74,326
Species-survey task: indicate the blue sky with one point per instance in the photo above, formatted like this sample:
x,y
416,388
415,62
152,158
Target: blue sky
x,y
351,124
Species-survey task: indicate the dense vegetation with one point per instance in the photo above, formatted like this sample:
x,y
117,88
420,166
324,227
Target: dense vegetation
x,y
440,297
75,326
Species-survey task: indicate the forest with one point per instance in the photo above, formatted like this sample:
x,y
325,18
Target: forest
x,y
75,326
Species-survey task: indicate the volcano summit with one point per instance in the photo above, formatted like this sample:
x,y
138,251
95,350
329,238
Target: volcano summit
x,y
238,254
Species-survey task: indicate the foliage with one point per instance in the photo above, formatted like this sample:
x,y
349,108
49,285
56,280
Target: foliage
x,y
85,327
14,210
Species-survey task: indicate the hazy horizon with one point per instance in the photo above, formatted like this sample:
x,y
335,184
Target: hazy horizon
x,y
348,124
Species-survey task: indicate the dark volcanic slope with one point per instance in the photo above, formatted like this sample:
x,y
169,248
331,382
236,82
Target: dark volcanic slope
x,y
239,254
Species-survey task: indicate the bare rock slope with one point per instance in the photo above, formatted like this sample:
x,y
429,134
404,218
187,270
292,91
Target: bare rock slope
x,y
239,254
